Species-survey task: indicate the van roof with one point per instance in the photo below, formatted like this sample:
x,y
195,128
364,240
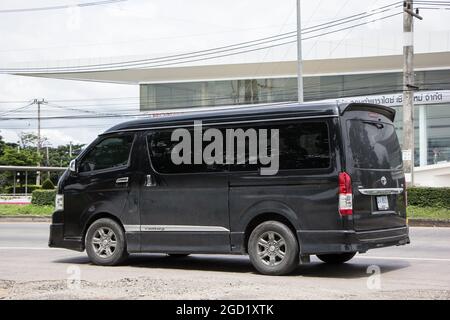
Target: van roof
x,y
232,113
249,112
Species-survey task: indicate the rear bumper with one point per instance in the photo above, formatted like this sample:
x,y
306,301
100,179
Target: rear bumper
x,y
338,241
57,240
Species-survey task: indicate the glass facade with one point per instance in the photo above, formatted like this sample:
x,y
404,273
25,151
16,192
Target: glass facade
x,y
438,133
431,121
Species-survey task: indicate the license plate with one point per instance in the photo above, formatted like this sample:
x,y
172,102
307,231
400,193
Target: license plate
x,y
382,203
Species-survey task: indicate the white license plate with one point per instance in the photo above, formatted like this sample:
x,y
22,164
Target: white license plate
x,y
382,203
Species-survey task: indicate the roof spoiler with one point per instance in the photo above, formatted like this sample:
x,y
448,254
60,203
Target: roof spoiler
x,y
386,111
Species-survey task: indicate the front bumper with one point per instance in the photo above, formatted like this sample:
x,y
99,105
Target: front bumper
x,y
57,239
339,241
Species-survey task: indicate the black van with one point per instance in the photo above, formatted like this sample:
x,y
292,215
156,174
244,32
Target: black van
x,y
339,190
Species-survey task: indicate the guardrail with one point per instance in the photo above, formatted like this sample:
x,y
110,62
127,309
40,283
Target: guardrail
x,y
26,169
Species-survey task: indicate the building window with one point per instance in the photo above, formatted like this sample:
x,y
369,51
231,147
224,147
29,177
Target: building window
x,y
438,133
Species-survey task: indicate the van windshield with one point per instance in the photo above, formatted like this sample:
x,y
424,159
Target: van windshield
x,y
374,145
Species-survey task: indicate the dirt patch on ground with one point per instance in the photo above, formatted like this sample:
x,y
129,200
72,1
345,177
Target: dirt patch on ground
x,y
148,288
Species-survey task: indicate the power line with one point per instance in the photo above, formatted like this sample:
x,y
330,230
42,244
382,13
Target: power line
x,y
342,93
79,5
270,46
182,97
18,109
150,62
79,110
313,91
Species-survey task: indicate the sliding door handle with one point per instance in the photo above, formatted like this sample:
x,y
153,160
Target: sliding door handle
x,y
122,180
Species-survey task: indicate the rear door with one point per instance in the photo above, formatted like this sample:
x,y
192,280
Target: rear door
x,y
374,163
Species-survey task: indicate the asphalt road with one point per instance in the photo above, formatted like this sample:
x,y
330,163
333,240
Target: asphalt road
x,y
31,270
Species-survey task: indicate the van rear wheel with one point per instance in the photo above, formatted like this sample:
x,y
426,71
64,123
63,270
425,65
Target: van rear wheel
x,y
273,248
105,243
336,258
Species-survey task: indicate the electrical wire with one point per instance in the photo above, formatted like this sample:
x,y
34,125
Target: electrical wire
x,y
59,7
343,93
18,109
151,61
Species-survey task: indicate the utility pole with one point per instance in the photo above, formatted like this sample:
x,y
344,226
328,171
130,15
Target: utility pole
x,y
408,89
39,102
299,54
70,150
48,162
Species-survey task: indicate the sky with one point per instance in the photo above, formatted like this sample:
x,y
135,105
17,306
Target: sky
x,y
144,28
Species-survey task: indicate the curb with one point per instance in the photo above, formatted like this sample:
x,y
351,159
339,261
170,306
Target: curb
x,y
25,218
429,222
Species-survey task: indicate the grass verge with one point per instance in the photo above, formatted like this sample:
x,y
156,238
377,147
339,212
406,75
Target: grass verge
x,y
428,213
25,210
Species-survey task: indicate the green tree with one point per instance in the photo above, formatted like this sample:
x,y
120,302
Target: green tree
x,y
2,145
29,140
19,157
48,185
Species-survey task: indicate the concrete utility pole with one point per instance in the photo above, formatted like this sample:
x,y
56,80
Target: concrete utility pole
x,y
408,89
299,54
39,102
48,161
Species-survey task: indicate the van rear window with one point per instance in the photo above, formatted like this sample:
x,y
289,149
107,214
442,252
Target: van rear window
x,y
374,145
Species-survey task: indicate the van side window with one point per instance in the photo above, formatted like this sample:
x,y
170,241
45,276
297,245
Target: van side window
x,y
302,145
160,148
108,153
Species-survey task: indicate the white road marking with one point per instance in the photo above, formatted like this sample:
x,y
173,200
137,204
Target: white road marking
x,y
402,258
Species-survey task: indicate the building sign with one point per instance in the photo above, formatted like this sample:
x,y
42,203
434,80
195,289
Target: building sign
x,y
396,99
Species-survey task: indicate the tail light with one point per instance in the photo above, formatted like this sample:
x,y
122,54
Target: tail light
x,y
345,194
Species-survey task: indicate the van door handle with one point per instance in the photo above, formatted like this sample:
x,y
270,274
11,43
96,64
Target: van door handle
x,y
122,180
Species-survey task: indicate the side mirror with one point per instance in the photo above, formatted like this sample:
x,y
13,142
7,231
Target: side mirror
x,y
73,166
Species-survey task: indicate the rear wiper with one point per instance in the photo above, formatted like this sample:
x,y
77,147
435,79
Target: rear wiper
x,y
377,125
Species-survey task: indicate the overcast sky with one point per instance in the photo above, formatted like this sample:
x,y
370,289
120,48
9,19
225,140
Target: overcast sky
x,y
144,28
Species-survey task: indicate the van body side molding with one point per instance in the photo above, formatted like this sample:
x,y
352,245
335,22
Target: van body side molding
x,y
173,228
380,191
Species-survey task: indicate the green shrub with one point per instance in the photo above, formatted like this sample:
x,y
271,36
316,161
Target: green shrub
x,y
43,197
48,185
30,189
429,197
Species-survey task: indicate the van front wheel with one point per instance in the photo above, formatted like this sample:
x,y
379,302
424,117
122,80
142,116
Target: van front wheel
x,y
105,243
336,258
273,248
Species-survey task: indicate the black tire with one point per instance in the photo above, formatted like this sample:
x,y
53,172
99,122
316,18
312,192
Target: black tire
x,y
101,256
336,258
178,255
262,256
